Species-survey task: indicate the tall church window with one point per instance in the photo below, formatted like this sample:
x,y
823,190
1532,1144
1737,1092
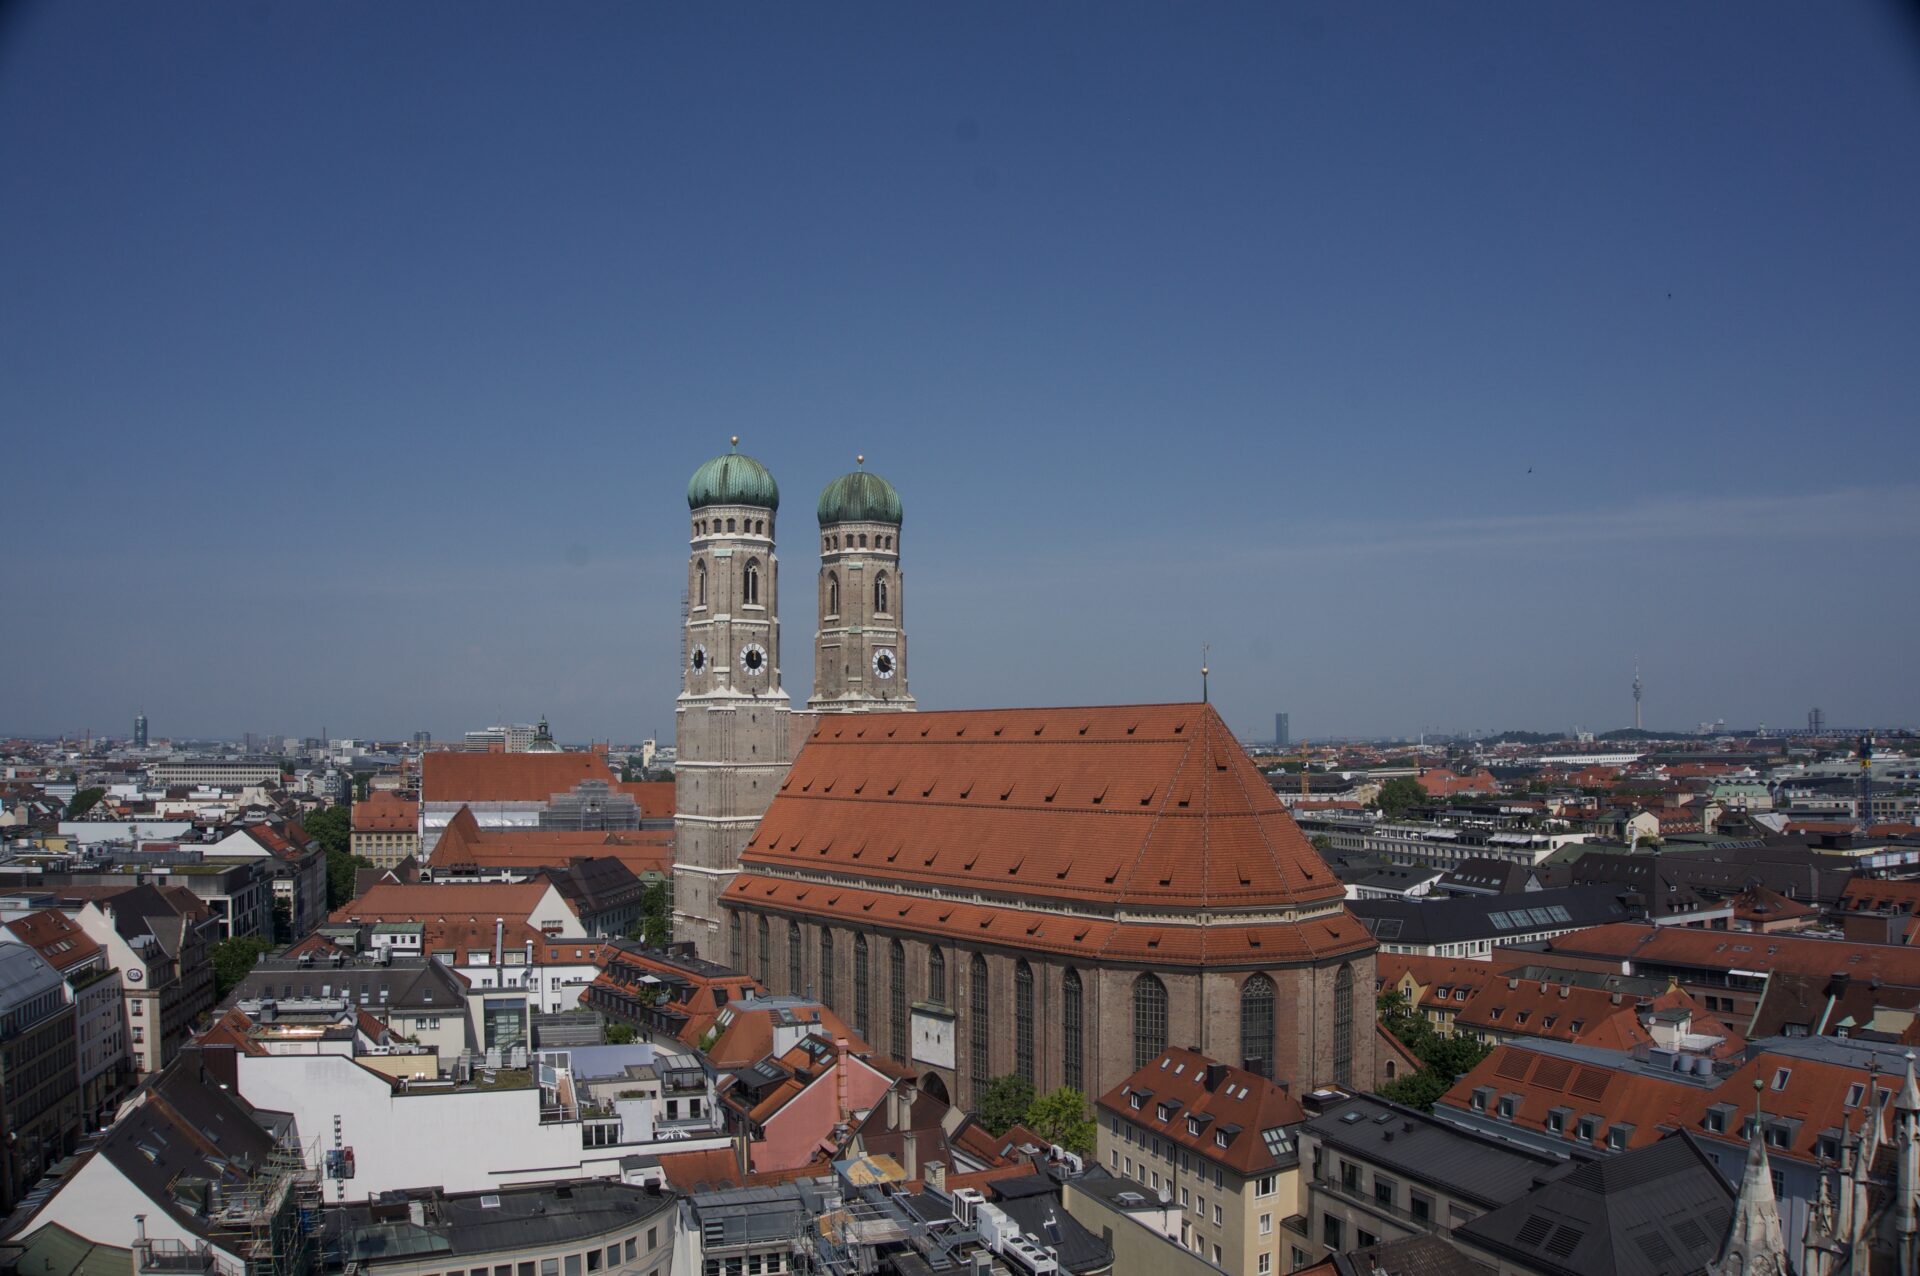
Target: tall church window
x,y
1073,1026
826,965
1343,1026
750,584
977,1009
700,583
862,987
897,999
735,942
793,959
1256,1025
1149,1020
764,935
880,594
1023,1020
937,977
833,594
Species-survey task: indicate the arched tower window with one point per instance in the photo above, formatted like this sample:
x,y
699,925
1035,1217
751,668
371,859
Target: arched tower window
x,y
750,583
826,965
794,981
700,583
763,935
1343,1026
897,999
1256,1025
862,987
1149,1020
1023,1020
880,594
978,1008
1073,1025
735,941
937,977
833,594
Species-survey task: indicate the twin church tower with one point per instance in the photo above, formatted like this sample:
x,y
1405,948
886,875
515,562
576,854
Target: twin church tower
x,y
736,733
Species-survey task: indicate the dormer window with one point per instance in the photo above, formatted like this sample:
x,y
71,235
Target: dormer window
x,y
1220,1138
1193,1127
1134,1099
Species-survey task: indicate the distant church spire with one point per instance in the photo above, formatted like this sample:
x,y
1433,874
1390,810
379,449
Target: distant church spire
x,y
1755,1245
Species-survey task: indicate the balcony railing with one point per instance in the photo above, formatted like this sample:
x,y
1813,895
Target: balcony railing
x,y
1353,1195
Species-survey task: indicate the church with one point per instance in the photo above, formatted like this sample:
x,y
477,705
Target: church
x,y
1057,893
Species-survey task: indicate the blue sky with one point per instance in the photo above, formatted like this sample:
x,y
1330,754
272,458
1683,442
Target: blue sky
x,y
1430,361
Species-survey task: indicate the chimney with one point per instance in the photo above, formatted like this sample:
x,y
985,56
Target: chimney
x,y
937,1175
1216,1072
529,952
910,1154
499,939
840,1074
894,1104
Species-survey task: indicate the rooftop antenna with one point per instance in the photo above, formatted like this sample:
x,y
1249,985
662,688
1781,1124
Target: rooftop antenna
x,y
1205,649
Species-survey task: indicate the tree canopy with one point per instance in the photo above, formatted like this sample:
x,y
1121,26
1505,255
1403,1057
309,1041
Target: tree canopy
x,y
84,801
1399,795
1062,1117
1444,1059
1005,1103
232,959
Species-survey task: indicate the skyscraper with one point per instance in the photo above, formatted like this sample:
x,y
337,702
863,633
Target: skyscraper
x,y
140,730
1282,733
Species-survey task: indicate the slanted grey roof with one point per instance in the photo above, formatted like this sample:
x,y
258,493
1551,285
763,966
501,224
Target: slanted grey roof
x,y
1473,1166
1653,1211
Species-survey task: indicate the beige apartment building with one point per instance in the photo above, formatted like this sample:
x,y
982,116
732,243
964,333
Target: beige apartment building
x,y
386,829
1219,1145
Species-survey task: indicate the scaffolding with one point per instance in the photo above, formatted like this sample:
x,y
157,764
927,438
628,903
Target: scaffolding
x,y
275,1218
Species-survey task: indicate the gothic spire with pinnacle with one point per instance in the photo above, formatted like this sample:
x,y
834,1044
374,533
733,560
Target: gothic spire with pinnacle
x,y
1755,1245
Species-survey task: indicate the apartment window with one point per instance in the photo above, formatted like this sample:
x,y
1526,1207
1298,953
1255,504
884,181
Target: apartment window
x,y
1586,1129
1617,1138
1266,1264
1186,1200
1128,1162
1216,1214
1266,1224
1216,1253
633,1248
1420,1206
613,1255
1266,1185
1383,1190
1113,1158
1363,1238
1154,1179
549,1267
1349,1176
593,1260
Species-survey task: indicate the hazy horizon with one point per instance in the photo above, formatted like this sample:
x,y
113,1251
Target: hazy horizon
x,y
1431,363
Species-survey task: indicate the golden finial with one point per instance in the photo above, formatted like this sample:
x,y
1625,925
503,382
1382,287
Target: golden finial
x,y
736,440
861,459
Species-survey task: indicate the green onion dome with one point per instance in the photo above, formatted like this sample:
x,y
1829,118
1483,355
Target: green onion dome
x,y
859,497
733,479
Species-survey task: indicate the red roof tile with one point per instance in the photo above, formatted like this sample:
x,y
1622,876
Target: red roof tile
x,y
1183,1084
386,813
507,777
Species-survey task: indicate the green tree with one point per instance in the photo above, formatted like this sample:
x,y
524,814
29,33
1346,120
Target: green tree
x,y
1399,795
1062,1117
341,868
84,801
1005,1103
331,826
655,926
232,959
1421,1089
1443,1059
617,1034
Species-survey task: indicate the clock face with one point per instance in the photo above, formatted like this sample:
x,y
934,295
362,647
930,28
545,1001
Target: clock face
x,y
753,658
883,663
699,659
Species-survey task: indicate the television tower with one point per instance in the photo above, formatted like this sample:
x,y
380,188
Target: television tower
x,y
1636,693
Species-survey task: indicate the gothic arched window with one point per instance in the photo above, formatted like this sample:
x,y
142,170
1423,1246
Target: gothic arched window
x,y
700,583
897,999
880,594
937,977
1149,1020
1023,1020
826,965
1343,1026
1073,1025
735,942
977,1009
750,583
764,943
793,959
862,987
833,594
1256,1025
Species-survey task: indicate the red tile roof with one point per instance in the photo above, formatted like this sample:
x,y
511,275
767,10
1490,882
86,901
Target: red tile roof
x,y
1445,983
507,777
386,813
1183,1084
1151,806
1544,1082
1743,950
654,796
58,939
464,844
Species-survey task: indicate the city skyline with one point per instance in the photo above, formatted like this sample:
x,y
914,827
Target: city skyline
x,y
1429,369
